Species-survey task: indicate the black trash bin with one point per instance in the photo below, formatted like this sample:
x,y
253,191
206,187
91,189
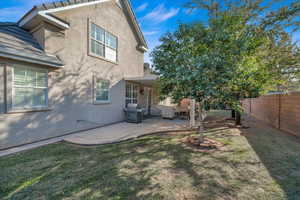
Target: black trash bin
x,y
133,113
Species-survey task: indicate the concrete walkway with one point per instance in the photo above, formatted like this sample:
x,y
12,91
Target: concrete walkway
x,y
124,131
34,145
109,134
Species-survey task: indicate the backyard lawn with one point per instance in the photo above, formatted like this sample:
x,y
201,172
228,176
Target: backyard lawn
x,y
255,163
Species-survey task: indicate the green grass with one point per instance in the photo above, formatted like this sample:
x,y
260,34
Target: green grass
x,y
258,163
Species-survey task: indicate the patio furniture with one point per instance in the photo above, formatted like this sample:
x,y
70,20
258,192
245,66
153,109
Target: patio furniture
x,y
183,109
133,113
168,112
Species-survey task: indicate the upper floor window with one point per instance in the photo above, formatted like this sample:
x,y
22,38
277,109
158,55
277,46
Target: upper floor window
x,y
103,43
29,88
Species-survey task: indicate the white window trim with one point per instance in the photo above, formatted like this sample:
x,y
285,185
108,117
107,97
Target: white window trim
x,y
103,43
31,108
95,101
131,99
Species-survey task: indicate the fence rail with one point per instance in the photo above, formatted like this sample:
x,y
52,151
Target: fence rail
x,y
281,111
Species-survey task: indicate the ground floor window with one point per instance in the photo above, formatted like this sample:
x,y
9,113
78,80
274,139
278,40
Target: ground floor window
x,y
131,93
102,91
29,88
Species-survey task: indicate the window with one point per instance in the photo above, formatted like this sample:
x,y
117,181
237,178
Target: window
x,y
102,91
29,88
131,93
102,43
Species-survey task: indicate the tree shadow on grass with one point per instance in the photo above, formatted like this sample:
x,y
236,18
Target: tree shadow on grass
x,y
82,174
153,167
280,154
156,167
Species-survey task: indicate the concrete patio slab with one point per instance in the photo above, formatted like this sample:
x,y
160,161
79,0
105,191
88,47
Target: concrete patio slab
x,y
108,134
125,131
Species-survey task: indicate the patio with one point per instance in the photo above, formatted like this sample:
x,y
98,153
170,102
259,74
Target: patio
x,y
109,134
124,131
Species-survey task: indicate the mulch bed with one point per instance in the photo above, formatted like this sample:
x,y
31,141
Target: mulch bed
x,y
208,144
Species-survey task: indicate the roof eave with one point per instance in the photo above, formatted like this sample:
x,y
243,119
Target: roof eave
x,y
143,48
31,60
135,23
45,14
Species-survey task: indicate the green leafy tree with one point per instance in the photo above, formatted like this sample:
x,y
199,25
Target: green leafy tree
x,y
234,57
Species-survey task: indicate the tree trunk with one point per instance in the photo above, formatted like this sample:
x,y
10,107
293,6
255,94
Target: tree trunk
x,y
201,126
238,119
233,114
192,113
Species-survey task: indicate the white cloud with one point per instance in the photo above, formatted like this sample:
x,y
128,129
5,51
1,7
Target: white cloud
x,y
142,7
160,13
148,33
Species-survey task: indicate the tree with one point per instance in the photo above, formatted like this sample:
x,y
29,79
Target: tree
x,y
183,73
262,53
229,59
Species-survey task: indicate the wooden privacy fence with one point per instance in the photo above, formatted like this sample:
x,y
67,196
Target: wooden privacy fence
x,y
281,111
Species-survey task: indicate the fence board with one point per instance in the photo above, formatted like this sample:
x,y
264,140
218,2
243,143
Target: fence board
x,y
281,110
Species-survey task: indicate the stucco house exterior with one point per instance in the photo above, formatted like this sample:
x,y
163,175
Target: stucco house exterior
x,y
69,66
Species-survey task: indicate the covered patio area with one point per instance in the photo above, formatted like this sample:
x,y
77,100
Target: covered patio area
x,y
140,90
124,131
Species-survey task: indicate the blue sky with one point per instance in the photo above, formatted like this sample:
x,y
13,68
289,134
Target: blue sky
x,y
156,17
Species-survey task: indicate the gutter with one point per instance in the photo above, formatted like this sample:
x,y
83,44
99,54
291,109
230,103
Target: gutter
x,y
46,15
49,18
143,48
30,60
129,6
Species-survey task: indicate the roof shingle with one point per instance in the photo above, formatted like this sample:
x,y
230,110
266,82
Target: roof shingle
x,y
17,42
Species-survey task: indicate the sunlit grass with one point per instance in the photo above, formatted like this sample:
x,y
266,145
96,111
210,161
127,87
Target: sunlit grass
x,y
256,163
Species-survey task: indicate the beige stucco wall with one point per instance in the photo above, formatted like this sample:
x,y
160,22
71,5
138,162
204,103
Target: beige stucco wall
x,y
1,88
71,104
74,48
39,35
